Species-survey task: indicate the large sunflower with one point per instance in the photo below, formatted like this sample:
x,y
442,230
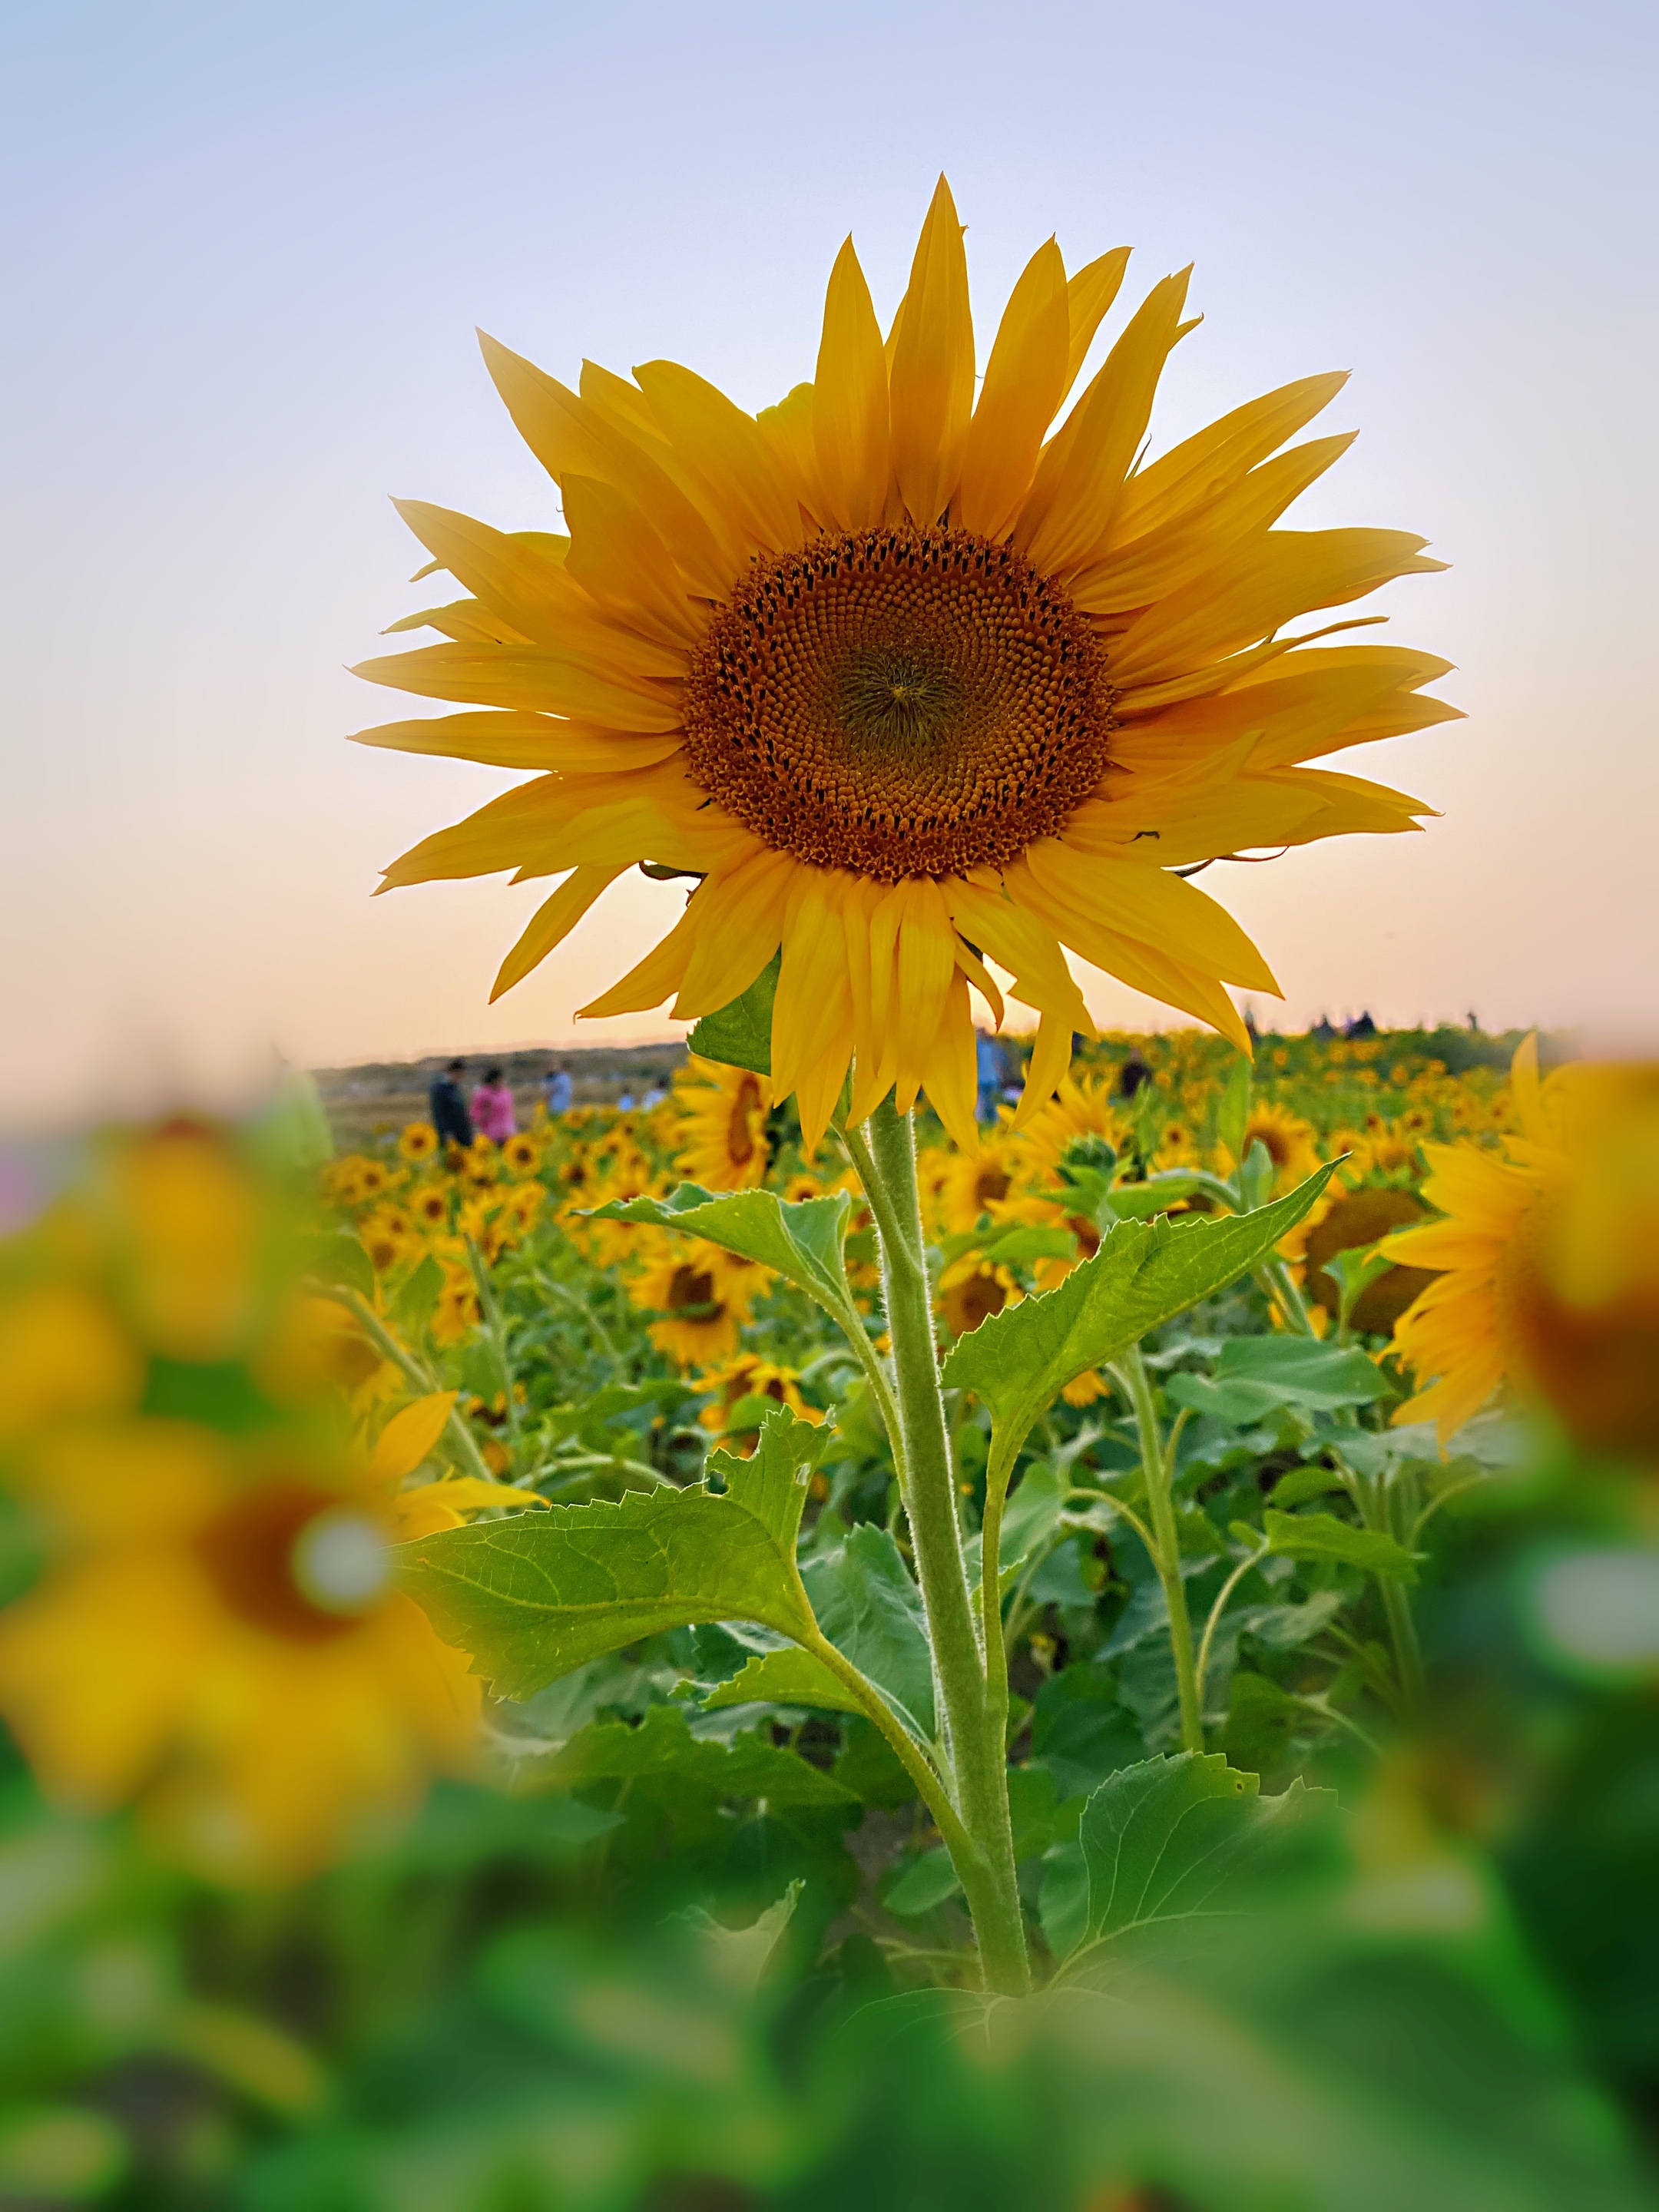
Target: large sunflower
x,y
907,683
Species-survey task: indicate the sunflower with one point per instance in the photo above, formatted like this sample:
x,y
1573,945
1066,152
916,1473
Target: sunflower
x,y
703,1294
907,683
722,1127
521,1155
430,1208
1549,1261
213,1633
980,1178
1291,1143
419,1141
971,1290
743,1390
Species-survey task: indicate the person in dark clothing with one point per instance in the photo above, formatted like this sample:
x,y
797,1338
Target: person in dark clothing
x,y
1131,1075
448,1105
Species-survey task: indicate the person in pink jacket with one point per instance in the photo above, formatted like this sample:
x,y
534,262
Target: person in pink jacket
x,y
492,1108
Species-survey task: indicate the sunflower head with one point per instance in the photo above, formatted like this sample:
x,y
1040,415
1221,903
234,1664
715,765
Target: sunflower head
x,y
915,676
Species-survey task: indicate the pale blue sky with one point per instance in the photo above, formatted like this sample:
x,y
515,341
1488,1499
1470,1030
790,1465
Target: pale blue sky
x,y
243,251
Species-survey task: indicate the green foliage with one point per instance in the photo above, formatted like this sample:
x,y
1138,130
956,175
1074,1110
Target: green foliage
x,y
1142,1275
1322,1536
534,1595
802,1242
867,1604
1302,1371
740,1035
1162,1840
663,1748
788,1677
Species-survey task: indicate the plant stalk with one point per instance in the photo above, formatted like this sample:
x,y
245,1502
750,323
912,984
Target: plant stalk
x,y
1157,1461
968,1725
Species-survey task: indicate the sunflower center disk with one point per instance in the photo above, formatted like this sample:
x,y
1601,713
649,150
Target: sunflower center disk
x,y
900,703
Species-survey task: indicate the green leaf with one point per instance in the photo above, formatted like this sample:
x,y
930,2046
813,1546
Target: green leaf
x,y
534,1595
1322,1536
663,1748
417,1300
789,1677
1144,1275
740,1035
338,1258
1032,1515
771,1483
1161,1839
1234,1405
1139,1201
870,1610
1303,1371
1025,1242
801,1241
927,1881
1262,1721
1301,1483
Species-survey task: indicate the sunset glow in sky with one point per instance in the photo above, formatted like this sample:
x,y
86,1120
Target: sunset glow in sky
x,y
244,253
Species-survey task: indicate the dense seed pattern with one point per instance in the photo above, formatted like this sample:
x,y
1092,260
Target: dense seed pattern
x,y
899,702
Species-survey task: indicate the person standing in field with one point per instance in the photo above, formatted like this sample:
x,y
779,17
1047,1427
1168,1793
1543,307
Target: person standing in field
x,y
492,1108
448,1108
558,1089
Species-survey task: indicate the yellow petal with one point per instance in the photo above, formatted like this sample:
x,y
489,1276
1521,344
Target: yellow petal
x,y
850,401
619,560
1024,382
1260,585
814,999
409,1436
533,676
655,978
931,393
740,913
1149,567
1089,297
1142,901
551,923
723,447
951,1072
926,962
524,740
1192,474
790,439
1019,942
1080,480
567,434
462,1493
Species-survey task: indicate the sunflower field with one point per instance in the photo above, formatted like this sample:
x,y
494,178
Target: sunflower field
x,y
963,1612
426,1794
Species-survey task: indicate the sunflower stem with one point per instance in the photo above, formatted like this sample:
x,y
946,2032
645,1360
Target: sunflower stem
x,y
969,1726
1157,1462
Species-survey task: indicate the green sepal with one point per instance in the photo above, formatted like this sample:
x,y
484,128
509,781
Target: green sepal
x,y
740,1035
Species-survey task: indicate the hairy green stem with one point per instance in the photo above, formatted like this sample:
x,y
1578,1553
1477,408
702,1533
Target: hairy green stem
x,y
970,1731
1157,1462
1202,1668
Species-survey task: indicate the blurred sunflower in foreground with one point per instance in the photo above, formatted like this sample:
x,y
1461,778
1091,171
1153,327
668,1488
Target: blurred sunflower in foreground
x,y
1549,1261
908,680
187,1431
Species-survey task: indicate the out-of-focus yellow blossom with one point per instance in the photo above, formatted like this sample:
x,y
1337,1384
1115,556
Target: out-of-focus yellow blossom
x,y
971,1290
1547,1260
214,1633
419,1141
